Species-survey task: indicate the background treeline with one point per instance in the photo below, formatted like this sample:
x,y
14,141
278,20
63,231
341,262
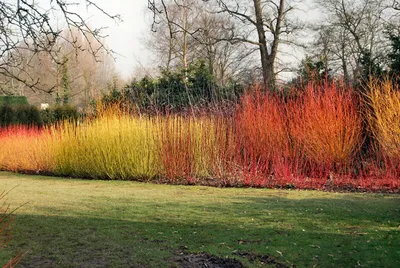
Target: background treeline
x,y
176,91
260,40
68,75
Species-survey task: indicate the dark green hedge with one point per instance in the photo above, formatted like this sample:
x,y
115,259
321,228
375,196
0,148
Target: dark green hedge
x,y
13,100
30,115
20,115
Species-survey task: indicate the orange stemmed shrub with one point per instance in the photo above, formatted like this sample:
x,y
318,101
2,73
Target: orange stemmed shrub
x,y
27,149
326,124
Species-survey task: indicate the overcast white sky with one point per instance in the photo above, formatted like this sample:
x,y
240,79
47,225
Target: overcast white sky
x,y
125,37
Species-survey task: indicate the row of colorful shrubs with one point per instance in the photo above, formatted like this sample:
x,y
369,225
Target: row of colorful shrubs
x,y
311,141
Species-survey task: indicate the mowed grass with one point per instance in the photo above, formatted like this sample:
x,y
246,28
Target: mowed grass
x,y
89,223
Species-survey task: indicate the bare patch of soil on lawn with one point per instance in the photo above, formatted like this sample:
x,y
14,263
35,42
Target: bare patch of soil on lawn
x,y
204,260
262,259
210,261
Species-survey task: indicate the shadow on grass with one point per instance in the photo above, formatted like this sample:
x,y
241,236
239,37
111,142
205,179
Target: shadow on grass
x,y
343,232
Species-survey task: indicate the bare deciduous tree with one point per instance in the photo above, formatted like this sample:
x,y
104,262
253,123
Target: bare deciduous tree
x,y
185,32
88,76
174,25
263,23
356,29
272,24
26,26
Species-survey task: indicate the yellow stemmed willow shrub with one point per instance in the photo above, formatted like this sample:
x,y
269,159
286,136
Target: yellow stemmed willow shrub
x,y
112,146
384,116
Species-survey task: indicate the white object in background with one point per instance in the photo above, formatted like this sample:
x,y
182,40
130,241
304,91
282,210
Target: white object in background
x,y
44,106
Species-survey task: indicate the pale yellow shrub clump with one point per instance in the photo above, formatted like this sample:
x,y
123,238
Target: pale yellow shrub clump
x,y
111,146
384,116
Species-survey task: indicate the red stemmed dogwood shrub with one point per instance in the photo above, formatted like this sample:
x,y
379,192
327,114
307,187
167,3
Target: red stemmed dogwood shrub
x,y
302,141
261,126
193,147
262,136
175,147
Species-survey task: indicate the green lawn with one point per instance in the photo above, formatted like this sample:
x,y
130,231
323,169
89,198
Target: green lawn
x,y
83,223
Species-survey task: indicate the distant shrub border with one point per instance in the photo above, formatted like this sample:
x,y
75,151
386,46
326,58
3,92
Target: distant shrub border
x,y
20,115
30,115
13,100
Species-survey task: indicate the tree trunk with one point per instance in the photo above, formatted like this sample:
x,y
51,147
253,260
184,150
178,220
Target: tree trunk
x,y
170,48
265,63
344,63
171,36
185,53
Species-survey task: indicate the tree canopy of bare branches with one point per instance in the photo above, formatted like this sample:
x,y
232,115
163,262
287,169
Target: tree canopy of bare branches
x,y
27,27
185,32
264,24
353,31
